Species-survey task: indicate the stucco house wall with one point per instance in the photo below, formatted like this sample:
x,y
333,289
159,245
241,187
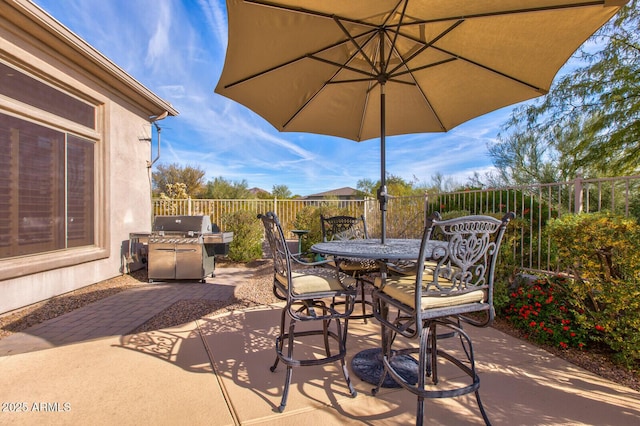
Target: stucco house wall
x,y
34,42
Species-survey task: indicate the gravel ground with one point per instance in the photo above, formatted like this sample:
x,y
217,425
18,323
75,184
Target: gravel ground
x,y
253,293
256,291
18,320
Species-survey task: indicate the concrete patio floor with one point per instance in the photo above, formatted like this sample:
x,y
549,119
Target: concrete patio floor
x,y
215,371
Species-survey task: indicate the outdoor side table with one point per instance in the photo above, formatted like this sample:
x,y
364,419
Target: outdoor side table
x,y
300,233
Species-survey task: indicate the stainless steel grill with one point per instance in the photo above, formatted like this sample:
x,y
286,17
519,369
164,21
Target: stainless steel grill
x,y
184,247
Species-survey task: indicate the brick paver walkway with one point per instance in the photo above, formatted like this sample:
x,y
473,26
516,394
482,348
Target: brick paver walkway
x,y
121,313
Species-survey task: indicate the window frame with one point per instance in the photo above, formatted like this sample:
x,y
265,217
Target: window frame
x,y
17,266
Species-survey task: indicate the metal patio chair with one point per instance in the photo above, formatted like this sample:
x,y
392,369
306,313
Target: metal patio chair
x,y
336,228
456,287
310,293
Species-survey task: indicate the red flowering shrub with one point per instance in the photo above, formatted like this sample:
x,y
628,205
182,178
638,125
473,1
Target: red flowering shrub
x,y
543,311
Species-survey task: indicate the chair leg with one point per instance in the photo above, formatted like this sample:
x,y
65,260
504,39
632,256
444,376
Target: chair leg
x,y
279,340
481,407
386,340
429,352
427,366
325,332
433,333
467,346
362,300
289,374
285,392
340,336
342,342
468,349
345,373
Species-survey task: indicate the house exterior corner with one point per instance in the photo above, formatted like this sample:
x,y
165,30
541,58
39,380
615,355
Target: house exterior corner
x,y
75,146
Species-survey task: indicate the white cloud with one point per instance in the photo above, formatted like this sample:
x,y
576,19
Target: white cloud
x,y
215,15
159,41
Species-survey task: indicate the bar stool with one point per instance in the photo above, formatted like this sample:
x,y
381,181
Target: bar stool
x,y
310,294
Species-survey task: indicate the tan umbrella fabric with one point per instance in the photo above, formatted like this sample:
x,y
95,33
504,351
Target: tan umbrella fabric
x,y
319,66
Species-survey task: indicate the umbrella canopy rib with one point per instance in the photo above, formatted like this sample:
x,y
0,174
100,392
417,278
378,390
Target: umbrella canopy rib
x,y
356,44
317,13
501,74
290,62
427,45
395,34
339,67
505,12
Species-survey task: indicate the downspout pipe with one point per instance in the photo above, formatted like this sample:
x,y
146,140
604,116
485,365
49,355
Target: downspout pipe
x,y
154,120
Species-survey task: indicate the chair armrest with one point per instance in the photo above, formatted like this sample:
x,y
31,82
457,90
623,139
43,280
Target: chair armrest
x,y
402,267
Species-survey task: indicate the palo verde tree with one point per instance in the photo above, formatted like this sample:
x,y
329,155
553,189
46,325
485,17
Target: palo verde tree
x,y
281,191
589,122
222,188
396,186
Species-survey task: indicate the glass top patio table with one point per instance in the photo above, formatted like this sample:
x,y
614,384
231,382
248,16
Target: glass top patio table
x,y
371,248
367,364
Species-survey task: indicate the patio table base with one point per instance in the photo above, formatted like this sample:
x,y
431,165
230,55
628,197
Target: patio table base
x,y
367,365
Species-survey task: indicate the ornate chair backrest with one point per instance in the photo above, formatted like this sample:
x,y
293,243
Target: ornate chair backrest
x,y
464,257
343,228
277,243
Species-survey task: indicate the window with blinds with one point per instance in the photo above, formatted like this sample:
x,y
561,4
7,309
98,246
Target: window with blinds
x,y
24,88
80,174
46,175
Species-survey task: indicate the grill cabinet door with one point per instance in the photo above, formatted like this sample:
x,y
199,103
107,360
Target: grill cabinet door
x,y
162,261
189,262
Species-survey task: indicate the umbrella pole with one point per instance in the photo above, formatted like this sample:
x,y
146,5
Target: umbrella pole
x,y
382,191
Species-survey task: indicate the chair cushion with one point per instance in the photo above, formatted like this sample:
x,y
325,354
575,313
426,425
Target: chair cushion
x,y
316,280
403,289
358,265
409,268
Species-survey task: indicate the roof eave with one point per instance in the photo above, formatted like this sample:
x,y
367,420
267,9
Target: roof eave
x,y
66,43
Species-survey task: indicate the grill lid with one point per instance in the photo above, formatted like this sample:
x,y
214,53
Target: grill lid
x,y
183,224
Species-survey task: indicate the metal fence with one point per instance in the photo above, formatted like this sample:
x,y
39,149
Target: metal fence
x,y
286,209
534,205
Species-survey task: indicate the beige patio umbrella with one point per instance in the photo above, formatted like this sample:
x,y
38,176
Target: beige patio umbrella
x,y
362,69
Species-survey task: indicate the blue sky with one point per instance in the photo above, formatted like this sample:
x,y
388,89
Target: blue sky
x,y
177,48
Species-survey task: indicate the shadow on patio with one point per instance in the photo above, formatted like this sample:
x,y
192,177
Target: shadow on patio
x,y
521,384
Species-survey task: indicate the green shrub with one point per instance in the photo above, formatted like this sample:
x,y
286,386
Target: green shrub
x,y
247,235
602,252
454,214
506,265
309,218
